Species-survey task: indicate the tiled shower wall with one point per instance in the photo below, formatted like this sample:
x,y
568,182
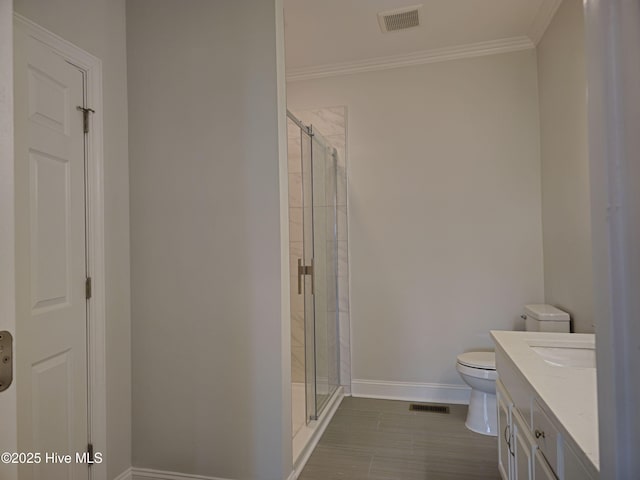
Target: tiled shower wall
x,y
332,124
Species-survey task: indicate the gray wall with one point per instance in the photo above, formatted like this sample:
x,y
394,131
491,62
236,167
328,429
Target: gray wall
x,y
444,209
98,26
566,209
208,335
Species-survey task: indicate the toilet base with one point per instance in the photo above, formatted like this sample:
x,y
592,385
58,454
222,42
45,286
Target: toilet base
x,y
482,416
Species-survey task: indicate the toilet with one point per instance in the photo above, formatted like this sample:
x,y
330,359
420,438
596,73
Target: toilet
x,y
478,369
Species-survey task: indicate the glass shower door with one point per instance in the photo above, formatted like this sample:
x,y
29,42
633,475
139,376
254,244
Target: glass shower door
x,y
321,317
325,269
308,280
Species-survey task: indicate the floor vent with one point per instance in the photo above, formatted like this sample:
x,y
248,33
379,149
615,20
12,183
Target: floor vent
x,y
428,407
400,18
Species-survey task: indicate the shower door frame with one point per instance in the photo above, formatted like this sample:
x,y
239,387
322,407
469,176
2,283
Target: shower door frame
x,y
319,405
313,407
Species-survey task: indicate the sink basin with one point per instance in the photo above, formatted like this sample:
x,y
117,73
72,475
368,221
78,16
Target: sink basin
x,y
580,356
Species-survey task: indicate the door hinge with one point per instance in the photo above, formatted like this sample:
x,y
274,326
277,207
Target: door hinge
x,y
85,117
87,288
90,454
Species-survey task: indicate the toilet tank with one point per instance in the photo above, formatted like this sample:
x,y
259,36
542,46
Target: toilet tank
x,y
546,318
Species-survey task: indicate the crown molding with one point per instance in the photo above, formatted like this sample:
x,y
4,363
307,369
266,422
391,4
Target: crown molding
x,y
547,10
417,58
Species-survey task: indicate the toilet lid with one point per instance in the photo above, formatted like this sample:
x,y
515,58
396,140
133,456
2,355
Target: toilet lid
x,y
484,360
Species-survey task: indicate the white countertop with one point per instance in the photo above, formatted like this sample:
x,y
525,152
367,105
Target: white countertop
x,y
569,393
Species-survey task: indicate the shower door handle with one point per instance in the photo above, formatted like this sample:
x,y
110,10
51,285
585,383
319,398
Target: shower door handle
x,y
305,270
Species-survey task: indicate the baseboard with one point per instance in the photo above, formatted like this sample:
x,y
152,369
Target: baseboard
x,y
126,475
149,474
415,392
314,436
412,392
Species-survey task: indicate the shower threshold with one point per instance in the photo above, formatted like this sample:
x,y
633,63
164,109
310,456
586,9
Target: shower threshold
x,y
307,437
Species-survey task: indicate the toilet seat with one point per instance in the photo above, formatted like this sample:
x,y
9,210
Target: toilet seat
x,y
478,365
477,372
483,360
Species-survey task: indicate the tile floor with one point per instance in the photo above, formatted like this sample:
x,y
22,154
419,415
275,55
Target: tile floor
x,y
382,440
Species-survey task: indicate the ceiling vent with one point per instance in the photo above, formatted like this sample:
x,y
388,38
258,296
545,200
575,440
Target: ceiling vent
x,y
400,18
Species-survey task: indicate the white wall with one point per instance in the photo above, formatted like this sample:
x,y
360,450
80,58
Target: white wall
x,y
98,26
444,208
612,36
210,322
566,209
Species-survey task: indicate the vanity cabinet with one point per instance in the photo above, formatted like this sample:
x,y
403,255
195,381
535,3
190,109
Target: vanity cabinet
x,y
525,449
541,469
519,455
573,467
547,411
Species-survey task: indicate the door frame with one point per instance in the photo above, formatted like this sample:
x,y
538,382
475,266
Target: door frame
x,y
8,435
94,177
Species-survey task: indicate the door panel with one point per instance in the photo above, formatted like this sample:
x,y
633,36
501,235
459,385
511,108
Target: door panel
x,y
522,447
309,283
52,390
50,208
323,165
320,252
542,470
504,432
51,330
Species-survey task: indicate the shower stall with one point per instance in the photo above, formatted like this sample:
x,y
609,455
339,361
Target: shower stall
x,y
314,274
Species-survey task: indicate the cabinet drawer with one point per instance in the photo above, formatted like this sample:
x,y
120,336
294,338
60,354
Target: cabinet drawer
x,y
547,436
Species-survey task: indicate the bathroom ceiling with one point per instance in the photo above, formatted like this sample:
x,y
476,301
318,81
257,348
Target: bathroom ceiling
x,y
329,32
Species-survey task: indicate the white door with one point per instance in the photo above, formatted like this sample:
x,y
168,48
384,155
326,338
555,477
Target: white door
x,y
51,305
